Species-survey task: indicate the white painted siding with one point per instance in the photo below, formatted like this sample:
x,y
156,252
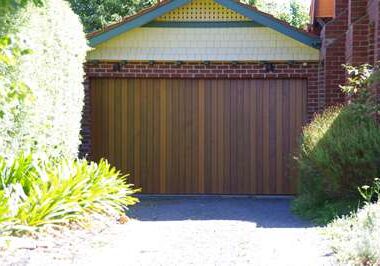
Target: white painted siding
x,y
195,44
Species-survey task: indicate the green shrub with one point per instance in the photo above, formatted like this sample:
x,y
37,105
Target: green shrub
x,y
355,239
339,152
371,193
96,14
323,212
34,193
46,119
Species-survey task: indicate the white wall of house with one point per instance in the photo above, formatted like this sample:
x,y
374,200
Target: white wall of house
x,y
213,44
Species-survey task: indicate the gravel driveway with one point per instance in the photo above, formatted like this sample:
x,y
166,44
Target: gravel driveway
x,y
202,231
216,231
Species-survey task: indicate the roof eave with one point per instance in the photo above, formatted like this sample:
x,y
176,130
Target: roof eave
x,y
137,22
303,37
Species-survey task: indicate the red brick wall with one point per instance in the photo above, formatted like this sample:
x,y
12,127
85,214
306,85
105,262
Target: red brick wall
x,y
373,11
352,37
315,97
371,43
333,56
357,39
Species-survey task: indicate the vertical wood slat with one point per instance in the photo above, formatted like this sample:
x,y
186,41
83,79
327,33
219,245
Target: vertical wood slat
x,y
293,137
200,136
207,137
117,124
279,138
110,119
131,121
163,135
233,143
265,158
124,135
175,183
253,136
137,135
259,150
220,114
201,133
246,137
194,135
156,137
227,139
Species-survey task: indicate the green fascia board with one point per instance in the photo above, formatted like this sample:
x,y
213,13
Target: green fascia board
x,y
271,23
139,21
196,24
256,18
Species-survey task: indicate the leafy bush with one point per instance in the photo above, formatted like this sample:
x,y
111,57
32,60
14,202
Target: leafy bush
x,y
323,211
355,239
339,152
35,192
46,118
13,93
371,193
96,14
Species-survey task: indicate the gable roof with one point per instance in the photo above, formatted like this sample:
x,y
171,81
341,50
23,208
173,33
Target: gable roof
x,y
149,14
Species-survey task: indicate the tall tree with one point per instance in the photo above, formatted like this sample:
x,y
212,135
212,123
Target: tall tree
x,y
95,14
293,12
299,16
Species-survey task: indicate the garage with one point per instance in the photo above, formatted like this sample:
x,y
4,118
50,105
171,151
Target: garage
x,y
186,136
201,97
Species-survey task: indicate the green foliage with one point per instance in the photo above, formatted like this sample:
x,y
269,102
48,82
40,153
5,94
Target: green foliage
x,y
370,193
41,76
11,4
359,80
340,150
255,3
34,192
296,15
294,12
323,212
95,14
14,94
355,239
42,49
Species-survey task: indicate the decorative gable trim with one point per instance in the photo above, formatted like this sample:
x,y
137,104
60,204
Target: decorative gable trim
x,y
206,24
252,13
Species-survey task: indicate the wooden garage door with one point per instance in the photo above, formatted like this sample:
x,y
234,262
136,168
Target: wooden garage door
x,y
200,136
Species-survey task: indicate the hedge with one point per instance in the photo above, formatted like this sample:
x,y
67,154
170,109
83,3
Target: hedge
x,y
47,119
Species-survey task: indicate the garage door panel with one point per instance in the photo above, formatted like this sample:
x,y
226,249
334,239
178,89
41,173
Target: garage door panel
x,y
253,138
200,136
279,139
227,136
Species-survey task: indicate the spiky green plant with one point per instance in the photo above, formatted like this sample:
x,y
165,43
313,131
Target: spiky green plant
x,y
34,192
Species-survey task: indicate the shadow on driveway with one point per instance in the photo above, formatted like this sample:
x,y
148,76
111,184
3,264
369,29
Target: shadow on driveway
x,y
264,212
